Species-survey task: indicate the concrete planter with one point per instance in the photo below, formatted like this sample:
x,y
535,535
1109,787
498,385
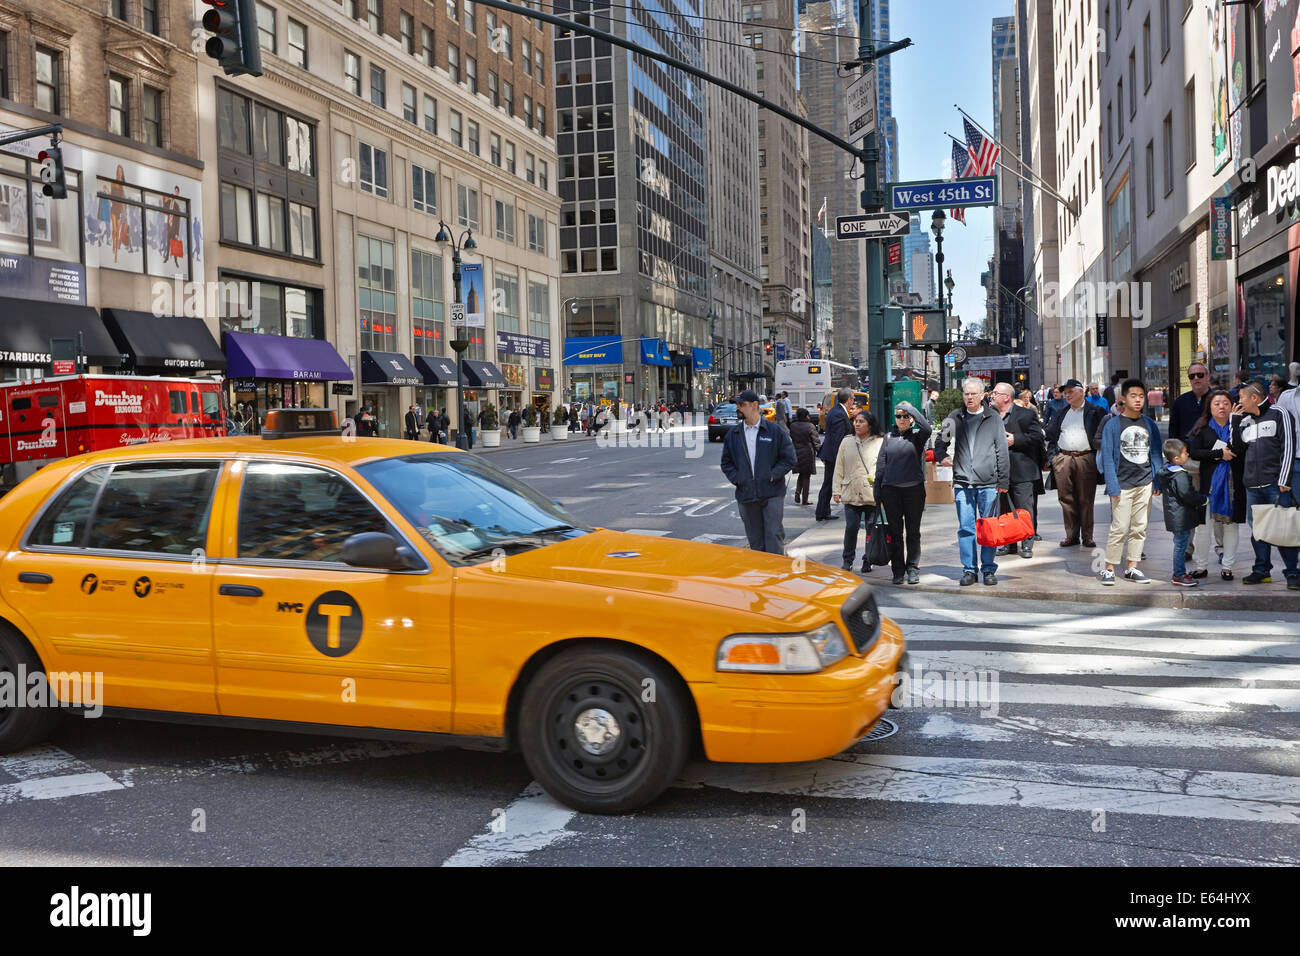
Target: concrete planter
x,y
560,432
490,438
533,434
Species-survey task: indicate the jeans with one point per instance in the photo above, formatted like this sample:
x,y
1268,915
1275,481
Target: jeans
x,y
974,503
855,516
1269,495
763,520
1180,551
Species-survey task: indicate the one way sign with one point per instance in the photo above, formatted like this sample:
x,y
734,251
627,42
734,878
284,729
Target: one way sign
x,y
879,226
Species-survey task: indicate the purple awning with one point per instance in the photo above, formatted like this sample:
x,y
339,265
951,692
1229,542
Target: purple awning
x,y
283,357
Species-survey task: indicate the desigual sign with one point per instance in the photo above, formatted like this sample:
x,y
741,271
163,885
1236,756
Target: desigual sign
x,y
1283,184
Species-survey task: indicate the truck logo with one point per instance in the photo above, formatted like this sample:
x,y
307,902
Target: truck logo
x,y
334,623
290,607
119,401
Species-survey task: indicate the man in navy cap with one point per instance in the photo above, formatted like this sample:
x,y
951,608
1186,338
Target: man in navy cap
x,y
1073,461
756,457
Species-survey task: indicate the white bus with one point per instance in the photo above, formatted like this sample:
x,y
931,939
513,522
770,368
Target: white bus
x,y
809,381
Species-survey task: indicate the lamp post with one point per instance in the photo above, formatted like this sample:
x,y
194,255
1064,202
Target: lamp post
x,y
459,345
937,222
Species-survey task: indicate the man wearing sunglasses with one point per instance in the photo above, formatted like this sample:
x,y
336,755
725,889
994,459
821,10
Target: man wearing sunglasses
x,y
1189,405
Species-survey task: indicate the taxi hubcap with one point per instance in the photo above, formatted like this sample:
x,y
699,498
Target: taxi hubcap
x,y
597,730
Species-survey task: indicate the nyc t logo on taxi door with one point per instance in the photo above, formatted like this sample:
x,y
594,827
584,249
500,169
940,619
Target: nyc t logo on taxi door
x,y
334,623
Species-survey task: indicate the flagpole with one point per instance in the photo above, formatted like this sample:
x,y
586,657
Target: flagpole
x,y
1035,182
1043,186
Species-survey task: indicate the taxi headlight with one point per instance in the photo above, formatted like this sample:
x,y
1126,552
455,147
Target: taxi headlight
x,y
804,653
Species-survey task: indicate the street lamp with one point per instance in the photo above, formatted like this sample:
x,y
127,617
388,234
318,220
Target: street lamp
x,y
937,222
459,345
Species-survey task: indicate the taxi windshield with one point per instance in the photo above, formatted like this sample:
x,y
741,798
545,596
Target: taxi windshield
x,y
465,507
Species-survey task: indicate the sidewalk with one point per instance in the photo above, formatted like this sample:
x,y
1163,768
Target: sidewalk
x,y
507,443
1065,574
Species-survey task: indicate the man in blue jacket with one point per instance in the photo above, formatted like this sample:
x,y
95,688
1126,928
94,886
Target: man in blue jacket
x,y
756,457
1131,461
837,426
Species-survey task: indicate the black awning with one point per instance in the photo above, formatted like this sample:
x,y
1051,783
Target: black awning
x,y
483,375
179,344
27,325
388,368
436,371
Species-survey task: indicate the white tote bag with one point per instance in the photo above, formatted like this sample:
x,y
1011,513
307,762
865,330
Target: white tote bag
x,y
1276,526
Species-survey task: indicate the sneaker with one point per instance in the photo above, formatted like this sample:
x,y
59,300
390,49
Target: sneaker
x,y
1226,575
990,578
1026,550
913,576
967,579
866,569
1107,578
1183,580
1200,574
898,579
1256,578
1293,582
847,565
1136,576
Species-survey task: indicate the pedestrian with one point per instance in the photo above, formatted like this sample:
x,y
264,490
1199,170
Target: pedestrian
x,y
1131,461
412,423
1187,408
1025,445
512,424
1058,402
1155,401
1109,394
467,425
1094,397
1071,446
927,406
806,445
789,408
1294,371
1222,479
973,443
367,424
431,423
778,407
1184,506
756,457
900,489
837,426
855,466
1266,440
1289,402
1276,386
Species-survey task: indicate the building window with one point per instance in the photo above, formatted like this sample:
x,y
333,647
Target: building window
x,y
454,127
4,64
430,115
1146,54
149,16
1119,110
408,104
373,170
378,87
1164,28
352,72
453,63
526,57
539,63
541,119
528,111
530,172
507,287
469,17
302,230
510,158
297,52
494,149
236,213
153,116
377,294
119,114
1151,177
472,137
542,180
270,222
406,26
1189,123
494,88
372,15
424,189
266,27
505,221
504,34
508,97
536,234
471,74
427,303
453,10
1167,132
467,206
426,47
47,79
118,9
539,310
1132,84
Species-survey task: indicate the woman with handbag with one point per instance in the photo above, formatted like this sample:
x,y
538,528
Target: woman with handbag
x,y
855,465
1223,479
900,489
806,445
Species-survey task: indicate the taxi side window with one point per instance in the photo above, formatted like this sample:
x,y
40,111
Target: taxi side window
x,y
155,508
299,513
65,523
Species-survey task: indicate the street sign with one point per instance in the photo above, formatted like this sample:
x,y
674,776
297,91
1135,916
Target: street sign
x,y
895,254
881,225
860,100
944,194
815,353
780,351
458,313
958,354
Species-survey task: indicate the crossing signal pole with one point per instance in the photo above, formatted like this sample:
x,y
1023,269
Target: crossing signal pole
x,y
234,42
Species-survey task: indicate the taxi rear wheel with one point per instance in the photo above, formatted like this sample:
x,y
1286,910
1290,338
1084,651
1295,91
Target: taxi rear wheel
x,y
605,731
21,726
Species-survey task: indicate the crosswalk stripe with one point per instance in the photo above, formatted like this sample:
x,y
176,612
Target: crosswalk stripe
x,y
532,821
1223,795
1090,732
46,772
1243,623
1021,662
1204,700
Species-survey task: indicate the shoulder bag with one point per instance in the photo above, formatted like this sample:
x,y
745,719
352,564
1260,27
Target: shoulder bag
x,y
1003,528
880,543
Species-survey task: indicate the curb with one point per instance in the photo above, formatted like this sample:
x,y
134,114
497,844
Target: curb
x,y
1288,602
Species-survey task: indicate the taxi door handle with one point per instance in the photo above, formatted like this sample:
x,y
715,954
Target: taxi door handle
x,y
35,577
240,590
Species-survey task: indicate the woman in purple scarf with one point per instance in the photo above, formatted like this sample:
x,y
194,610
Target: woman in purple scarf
x,y
1221,479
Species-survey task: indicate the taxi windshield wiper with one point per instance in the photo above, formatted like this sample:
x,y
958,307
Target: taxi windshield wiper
x,y
519,541
556,529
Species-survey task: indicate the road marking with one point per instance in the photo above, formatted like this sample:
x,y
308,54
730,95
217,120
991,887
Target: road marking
x,y
1223,795
1066,732
533,821
1243,624
49,773
653,532
1021,662
1198,700
563,461
617,485
717,538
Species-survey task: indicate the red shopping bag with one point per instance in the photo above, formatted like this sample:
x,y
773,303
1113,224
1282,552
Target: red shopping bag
x,y
176,249
1002,528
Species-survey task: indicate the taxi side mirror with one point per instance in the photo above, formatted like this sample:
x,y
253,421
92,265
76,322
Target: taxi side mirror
x,y
373,549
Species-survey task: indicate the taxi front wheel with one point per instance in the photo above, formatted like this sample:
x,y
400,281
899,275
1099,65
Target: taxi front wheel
x,y
21,725
605,731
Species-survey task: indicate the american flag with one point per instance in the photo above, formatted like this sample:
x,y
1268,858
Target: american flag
x,y
984,151
960,169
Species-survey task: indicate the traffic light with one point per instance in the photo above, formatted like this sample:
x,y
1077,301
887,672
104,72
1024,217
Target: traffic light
x,y
234,43
767,346
51,160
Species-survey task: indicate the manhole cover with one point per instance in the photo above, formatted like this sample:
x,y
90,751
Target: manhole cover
x,y
884,728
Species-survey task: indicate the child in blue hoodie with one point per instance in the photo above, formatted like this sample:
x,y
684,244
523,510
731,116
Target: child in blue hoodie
x,y
1184,506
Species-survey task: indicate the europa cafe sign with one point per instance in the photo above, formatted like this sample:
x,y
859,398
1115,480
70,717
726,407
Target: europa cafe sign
x,y
1283,185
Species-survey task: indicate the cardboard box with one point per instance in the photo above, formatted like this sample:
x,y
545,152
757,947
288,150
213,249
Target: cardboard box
x,y
938,485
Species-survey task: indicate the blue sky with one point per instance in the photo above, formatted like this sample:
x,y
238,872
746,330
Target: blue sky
x,y
950,61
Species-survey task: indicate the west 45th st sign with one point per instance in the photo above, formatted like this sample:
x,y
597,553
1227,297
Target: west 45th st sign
x,y
942,194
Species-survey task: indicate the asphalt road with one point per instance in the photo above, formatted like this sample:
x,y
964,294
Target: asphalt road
x,y
1087,736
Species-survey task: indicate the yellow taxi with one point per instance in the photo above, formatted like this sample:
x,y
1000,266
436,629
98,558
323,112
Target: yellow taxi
x,y
312,581
861,402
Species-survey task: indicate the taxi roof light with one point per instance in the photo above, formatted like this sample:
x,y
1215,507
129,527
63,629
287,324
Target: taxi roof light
x,y
300,422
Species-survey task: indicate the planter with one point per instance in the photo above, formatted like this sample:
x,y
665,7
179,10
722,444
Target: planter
x,y
533,434
560,432
490,438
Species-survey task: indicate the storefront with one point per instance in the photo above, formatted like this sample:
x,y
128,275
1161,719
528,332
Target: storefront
x,y
518,354
1171,341
166,345
544,388
439,383
655,361
28,326
512,394
383,375
594,365
277,371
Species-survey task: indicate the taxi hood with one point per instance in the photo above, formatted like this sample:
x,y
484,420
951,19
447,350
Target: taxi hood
x,y
768,586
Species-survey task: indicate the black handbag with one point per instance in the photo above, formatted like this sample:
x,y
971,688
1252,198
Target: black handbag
x,y
880,543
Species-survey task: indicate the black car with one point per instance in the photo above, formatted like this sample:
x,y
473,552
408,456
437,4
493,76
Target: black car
x,y
721,420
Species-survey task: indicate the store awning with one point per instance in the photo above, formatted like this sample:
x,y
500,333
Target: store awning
x,y
655,352
483,375
703,359
388,368
176,344
27,325
283,357
438,372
